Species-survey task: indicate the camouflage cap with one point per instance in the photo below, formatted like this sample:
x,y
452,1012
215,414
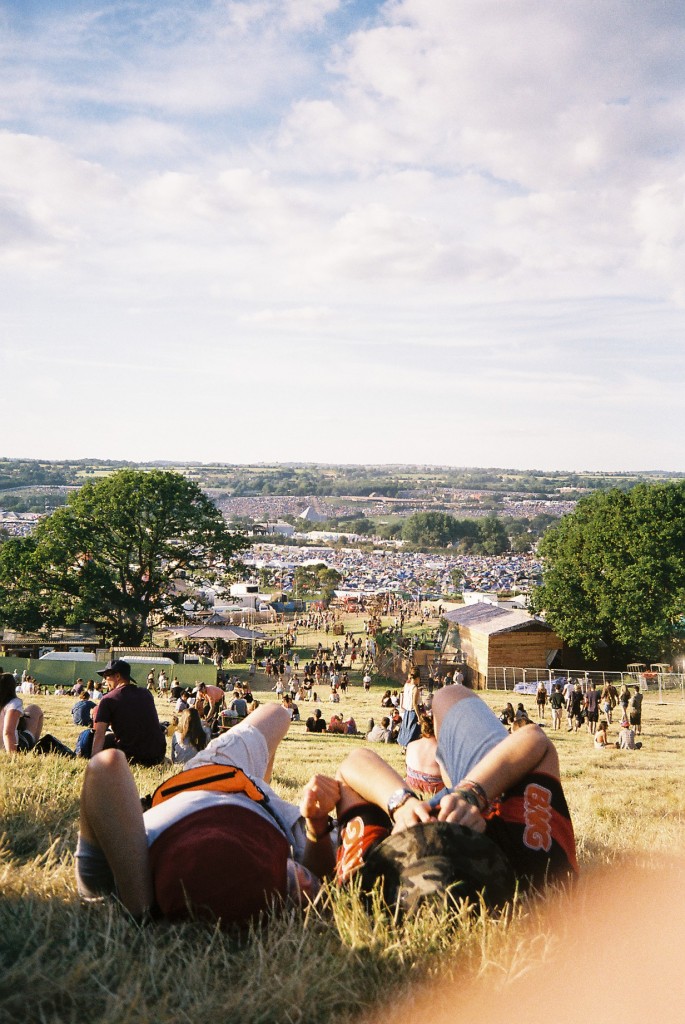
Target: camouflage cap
x,y
438,861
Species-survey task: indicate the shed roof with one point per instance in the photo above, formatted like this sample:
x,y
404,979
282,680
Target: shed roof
x,y
489,619
219,633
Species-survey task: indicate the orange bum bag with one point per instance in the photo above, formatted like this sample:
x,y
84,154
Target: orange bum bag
x,y
220,778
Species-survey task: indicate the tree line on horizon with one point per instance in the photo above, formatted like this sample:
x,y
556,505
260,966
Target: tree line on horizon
x,y
315,480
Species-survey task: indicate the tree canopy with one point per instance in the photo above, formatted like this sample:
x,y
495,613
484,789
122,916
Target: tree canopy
x,y
316,579
485,536
121,554
614,573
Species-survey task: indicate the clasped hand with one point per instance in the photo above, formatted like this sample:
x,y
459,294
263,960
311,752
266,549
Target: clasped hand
x,y
452,808
319,797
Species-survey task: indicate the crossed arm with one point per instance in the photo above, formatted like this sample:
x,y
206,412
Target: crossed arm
x,y
366,776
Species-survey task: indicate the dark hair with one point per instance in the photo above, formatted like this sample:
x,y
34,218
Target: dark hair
x,y
8,688
519,723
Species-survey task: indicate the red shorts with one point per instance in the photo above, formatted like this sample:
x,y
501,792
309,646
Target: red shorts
x,y
532,825
360,831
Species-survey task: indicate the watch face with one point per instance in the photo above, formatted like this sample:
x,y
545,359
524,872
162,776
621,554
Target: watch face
x,y
398,798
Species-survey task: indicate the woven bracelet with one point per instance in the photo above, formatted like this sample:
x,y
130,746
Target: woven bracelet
x,y
478,791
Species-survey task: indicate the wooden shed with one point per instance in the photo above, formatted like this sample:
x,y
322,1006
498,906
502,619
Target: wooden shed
x,y
492,637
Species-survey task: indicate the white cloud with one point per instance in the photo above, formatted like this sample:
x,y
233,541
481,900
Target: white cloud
x,y
462,203
659,216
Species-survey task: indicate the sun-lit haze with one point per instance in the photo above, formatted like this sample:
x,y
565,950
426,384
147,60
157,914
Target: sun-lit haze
x,y
333,230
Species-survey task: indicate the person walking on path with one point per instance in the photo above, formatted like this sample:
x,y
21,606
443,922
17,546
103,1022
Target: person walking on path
x,y
541,700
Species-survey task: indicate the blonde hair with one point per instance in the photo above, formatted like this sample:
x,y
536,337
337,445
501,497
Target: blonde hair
x,y
427,728
190,728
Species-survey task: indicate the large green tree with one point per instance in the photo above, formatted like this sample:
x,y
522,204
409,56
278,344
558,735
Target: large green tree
x,y
435,529
614,573
486,536
120,554
492,536
316,579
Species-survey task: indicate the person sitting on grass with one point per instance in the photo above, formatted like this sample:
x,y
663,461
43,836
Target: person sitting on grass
x,y
379,733
337,725
239,703
395,724
289,705
626,737
316,723
82,711
423,771
507,714
190,737
130,712
503,786
20,727
156,862
600,737
520,722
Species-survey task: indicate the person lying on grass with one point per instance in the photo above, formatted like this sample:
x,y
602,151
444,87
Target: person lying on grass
x,y
202,852
505,821
504,787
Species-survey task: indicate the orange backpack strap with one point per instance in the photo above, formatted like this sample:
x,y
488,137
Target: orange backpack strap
x,y
224,778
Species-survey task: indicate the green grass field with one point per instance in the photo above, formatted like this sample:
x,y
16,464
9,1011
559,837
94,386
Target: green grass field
x,y
62,961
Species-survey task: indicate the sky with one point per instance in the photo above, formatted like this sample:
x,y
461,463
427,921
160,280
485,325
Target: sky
x,y
447,232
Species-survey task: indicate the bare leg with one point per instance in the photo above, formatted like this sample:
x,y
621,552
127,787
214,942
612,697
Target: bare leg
x,y
33,716
273,721
444,699
112,818
349,798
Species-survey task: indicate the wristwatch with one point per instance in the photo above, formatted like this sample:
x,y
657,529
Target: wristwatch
x,y
397,800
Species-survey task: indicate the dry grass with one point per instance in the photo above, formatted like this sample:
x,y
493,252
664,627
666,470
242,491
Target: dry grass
x,y
64,962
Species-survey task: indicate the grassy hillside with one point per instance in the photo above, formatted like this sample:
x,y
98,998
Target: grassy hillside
x,y
62,961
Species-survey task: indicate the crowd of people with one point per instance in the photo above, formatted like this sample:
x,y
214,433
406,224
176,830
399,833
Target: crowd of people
x,y
588,708
464,782
472,793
